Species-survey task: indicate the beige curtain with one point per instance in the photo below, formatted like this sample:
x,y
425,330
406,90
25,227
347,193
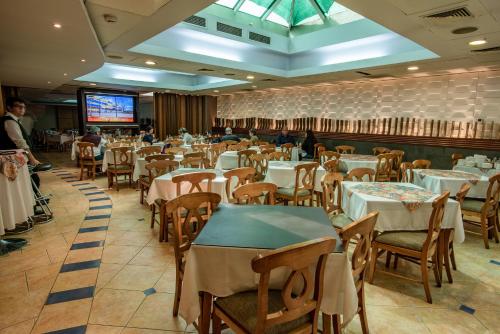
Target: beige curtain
x,y
173,111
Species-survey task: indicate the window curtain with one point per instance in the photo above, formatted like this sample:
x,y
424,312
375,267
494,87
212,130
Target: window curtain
x,y
172,111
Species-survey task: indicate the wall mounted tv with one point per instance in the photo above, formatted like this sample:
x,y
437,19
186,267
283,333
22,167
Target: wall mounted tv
x,y
109,108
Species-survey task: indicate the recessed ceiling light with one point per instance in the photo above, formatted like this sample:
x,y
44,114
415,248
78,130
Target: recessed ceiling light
x,y
49,82
250,77
150,62
216,91
83,60
65,74
477,42
254,86
57,25
92,84
412,68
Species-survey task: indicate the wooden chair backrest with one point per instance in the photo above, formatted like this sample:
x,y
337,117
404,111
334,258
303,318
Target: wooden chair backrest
x,y
305,177
358,174
306,261
278,156
331,183
325,156
153,157
260,163
234,147
195,162
268,147
243,175
148,150
215,151
194,155
176,150
195,180
287,148
380,150
406,172
244,144
462,193
176,142
230,142
205,148
256,193
421,164
345,149
490,206
122,156
268,151
384,167
318,148
435,221
360,231
244,158
261,142
331,165
455,157
160,167
86,151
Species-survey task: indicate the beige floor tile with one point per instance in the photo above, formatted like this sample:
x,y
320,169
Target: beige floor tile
x,y
23,327
16,309
94,223
85,254
119,254
14,263
14,285
154,256
124,305
63,315
58,254
167,281
132,238
144,331
99,329
135,278
488,319
75,279
41,279
90,236
451,321
106,272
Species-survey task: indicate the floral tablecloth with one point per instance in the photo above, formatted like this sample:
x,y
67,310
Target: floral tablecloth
x,y
351,161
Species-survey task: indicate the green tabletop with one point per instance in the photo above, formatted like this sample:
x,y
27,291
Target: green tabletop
x,y
265,226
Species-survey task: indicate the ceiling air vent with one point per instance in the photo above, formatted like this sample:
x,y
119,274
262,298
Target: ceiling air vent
x,y
259,38
226,28
492,49
197,21
205,70
363,73
457,13
268,79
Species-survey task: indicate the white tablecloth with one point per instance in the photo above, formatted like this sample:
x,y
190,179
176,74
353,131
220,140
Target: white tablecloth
x,y
229,159
394,216
140,166
109,159
351,161
478,171
75,152
282,174
16,199
162,187
439,184
223,271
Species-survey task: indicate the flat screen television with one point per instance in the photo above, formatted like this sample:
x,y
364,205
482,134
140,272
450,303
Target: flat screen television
x,y
110,108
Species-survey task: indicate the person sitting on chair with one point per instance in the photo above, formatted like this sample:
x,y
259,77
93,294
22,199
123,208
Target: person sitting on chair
x,y
308,144
253,136
149,135
186,136
229,135
284,137
93,136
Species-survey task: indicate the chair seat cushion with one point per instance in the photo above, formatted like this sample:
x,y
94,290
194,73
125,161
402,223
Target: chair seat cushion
x,y
339,220
242,307
472,205
406,239
119,167
289,192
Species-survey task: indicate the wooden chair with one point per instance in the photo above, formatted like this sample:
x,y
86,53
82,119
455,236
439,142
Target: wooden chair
x,y
331,166
380,150
189,213
154,157
284,310
406,172
396,168
331,183
176,143
486,212
235,147
421,164
255,193
205,148
267,147
194,180
176,150
384,167
215,151
318,148
325,156
194,155
244,158
268,151
157,168
243,176
287,148
261,142
415,246
87,159
230,142
245,144
358,233
278,156
345,149
260,163
122,165
195,162
148,150
455,157
305,177
358,174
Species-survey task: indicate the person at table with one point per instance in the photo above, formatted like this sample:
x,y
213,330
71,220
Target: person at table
x,y
253,136
93,136
186,136
308,145
284,137
149,135
229,136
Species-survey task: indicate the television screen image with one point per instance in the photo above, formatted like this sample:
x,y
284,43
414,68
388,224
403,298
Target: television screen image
x,y
110,108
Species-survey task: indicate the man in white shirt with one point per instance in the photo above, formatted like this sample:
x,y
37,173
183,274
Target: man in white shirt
x,y
186,137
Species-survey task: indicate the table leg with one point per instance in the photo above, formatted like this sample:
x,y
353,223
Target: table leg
x,y
439,258
206,312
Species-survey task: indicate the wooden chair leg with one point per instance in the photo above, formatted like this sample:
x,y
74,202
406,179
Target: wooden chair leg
x,y
492,224
216,324
362,312
373,263
437,268
388,259
396,258
447,265
177,298
327,323
153,209
117,184
452,257
337,324
81,170
425,280
141,199
484,232
93,172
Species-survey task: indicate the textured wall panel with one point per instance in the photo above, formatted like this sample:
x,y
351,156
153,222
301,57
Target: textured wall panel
x,y
461,97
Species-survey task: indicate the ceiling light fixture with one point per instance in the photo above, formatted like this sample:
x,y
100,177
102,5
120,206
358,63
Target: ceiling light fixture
x,y
65,74
216,91
92,84
477,42
57,25
49,82
250,77
150,62
412,68
83,60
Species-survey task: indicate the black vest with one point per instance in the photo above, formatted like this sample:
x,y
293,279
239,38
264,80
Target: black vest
x,y
5,142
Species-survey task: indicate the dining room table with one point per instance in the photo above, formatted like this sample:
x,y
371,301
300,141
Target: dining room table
x,y
229,159
282,174
350,161
140,166
439,181
488,172
218,263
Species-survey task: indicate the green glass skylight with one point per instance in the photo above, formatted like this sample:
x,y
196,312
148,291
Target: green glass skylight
x,y
287,13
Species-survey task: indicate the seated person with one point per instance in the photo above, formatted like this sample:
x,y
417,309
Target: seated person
x,y
308,144
284,137
93,136
149,135
253,136
186,136
229,135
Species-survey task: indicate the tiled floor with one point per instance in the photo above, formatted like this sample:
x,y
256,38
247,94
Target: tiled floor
x,y
121,279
